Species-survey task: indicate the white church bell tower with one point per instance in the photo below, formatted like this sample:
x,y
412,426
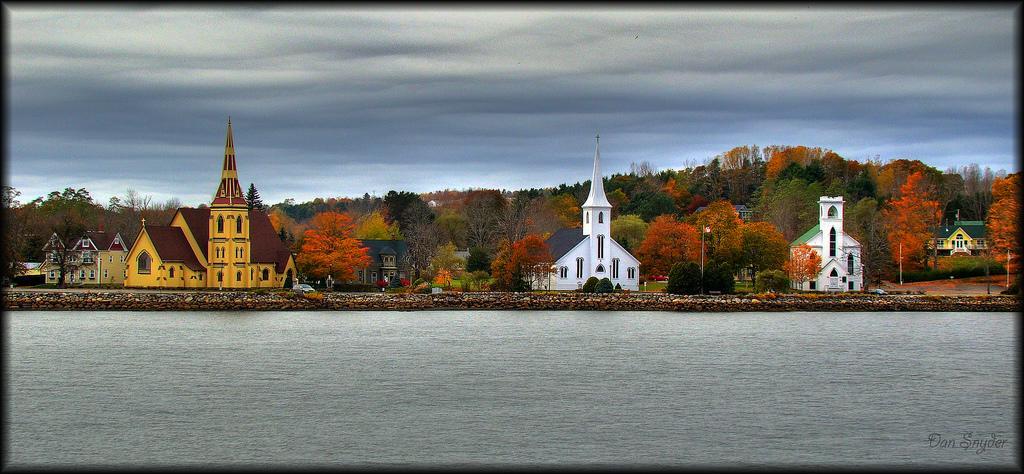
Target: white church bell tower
x,y
597,210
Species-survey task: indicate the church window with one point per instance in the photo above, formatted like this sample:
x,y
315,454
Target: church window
x,y
144,262
849,264
238,225
834,273
833,212
171,272
832,242
238,276
631,273
579,267
600,218
220,224
615,268
220,277
266,274
588,216
251,274
563,272
600,246
599,269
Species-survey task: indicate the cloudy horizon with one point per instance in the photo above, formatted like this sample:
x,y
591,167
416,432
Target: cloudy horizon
x,y
342,102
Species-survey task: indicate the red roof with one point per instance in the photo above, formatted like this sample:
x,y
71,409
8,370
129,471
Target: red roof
x,y
265,245
198,221
172,246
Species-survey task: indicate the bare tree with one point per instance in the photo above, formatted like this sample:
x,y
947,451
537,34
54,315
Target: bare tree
x,y
513,222
421,237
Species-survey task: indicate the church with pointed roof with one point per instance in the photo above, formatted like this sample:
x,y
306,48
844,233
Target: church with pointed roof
x,y
223,246
590,251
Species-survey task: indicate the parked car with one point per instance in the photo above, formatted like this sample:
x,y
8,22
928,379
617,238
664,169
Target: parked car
x,y
304,288
877,291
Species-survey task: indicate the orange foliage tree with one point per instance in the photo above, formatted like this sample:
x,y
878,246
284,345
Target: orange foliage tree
x,y
781,158
1003,221
725,241
667,242
517,266
910,219
565,207
330,249
803,265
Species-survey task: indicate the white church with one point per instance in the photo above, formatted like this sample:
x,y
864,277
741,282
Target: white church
x,y
590,251
841,268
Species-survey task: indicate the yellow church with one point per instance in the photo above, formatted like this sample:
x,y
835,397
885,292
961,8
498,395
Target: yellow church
x,y
223,246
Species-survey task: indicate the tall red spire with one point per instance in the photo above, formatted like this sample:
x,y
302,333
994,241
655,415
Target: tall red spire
x,y
229,193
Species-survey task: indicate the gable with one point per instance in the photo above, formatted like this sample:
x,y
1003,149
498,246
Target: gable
x,y
564,240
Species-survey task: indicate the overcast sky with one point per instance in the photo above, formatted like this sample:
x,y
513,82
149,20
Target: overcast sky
x,y
343,102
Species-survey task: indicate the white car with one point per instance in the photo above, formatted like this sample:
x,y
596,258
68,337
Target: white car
x,y
877,291
304,288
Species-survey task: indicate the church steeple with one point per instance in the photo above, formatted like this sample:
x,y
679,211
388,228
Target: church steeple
x,y
229,193
597,197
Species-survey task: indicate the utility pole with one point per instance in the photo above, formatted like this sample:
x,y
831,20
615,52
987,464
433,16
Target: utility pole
x,y
901,263
703,230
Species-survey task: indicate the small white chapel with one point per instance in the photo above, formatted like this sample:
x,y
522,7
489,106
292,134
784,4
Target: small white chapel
x,y
590,251
841,268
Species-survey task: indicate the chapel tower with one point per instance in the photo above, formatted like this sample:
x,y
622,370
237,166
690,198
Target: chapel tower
x,y
228,250
597,216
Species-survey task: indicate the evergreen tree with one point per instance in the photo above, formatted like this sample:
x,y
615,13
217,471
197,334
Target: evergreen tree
x,y
478,260
252,197
684,279
604,286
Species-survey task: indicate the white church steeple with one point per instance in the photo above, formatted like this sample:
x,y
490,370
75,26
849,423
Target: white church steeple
x,y
597,210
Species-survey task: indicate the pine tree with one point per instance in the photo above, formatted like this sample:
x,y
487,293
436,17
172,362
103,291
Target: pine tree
x,y
252,197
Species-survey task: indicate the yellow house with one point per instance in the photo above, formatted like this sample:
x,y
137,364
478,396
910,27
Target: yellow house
x,y
223,246
962,237
96,258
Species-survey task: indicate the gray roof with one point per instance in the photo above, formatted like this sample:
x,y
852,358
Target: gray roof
x,y
386,247
562,241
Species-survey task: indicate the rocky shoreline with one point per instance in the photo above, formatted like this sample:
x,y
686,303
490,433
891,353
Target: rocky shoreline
x,y
283,301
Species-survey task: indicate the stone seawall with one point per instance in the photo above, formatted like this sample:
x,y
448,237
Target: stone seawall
x,y
281,301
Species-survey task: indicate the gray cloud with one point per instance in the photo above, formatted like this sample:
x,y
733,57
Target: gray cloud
x,y
343,102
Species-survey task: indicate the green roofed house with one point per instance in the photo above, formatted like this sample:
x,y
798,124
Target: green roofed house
x,y
961,238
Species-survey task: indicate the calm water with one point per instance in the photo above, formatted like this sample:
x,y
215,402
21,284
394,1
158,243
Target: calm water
x,y
125,388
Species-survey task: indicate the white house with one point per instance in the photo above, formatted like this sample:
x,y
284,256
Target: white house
x,y
841,268
581,253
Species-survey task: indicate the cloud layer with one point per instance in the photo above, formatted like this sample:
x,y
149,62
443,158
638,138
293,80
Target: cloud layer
x,y
345,102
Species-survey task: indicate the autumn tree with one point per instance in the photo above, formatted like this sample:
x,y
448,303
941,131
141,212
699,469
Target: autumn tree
x,y
629,230
445,260
910,220
453,228
763,247
803,265
373,226
864,222
329,248
1003,220
566,208
522,264
724,242
482,208
666,243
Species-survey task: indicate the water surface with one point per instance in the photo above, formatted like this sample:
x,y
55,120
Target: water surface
x,y
456,387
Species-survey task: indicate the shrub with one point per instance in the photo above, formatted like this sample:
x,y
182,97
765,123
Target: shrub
x,y
771,280
418,282
423,287
590,285
604,286
618,287
395,283
684,279
314,296
478,260
718,276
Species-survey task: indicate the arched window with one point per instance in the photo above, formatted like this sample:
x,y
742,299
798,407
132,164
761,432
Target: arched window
x,y
579,267
600,246
220,224
631,273
220,277
834,273
615,268
599,269
251,274
170,272
833,212
849,264
266,274
238,225
587,214
238,276
144,262
832,242
600,217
